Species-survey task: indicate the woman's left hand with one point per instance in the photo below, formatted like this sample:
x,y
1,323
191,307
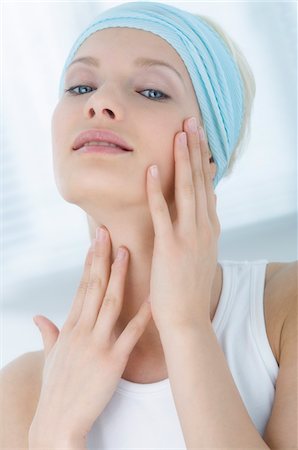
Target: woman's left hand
x,y
184,257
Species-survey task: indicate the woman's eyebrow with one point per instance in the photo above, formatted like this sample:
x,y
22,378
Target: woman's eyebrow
x,y
140,62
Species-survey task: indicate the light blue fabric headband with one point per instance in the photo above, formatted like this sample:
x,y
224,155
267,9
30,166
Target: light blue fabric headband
x,y
215,76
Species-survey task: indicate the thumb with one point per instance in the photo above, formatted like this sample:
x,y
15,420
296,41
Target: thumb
x,y
49,332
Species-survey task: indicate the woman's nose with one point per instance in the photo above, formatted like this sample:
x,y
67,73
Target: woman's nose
x,y
104,102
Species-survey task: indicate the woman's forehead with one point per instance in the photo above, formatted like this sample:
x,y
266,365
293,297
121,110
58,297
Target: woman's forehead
x,y
131,43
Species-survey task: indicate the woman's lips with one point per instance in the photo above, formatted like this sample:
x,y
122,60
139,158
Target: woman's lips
x,y
101,149
91,137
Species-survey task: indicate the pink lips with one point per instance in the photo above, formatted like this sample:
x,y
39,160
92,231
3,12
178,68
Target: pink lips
x,y
101,149
98,135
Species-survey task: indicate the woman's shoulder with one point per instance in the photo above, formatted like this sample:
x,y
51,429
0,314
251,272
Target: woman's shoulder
x,y
283,301
281,285
280,298
20,384
22,376
276,268
25,365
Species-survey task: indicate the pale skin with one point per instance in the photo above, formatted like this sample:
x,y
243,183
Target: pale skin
x,y
98,185
154,216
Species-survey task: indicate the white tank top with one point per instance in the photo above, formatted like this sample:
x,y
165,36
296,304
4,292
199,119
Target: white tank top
x,y
143,416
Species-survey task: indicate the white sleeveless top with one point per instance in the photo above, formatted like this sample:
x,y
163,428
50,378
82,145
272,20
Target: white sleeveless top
x,y
143,416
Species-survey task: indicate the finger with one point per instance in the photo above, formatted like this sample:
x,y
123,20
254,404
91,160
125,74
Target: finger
x,y
76,308
210,195
113,298
161,218
49,333
194,145
133,331
184,187
97,282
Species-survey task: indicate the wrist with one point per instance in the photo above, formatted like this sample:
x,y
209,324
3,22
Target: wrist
x,y
45,438
64,444
179,332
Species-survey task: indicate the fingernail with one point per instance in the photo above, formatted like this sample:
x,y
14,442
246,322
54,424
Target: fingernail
x,y
100,234
182,138
192,124
120,254
154,171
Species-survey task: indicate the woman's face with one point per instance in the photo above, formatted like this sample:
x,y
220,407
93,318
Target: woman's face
x,y
127,98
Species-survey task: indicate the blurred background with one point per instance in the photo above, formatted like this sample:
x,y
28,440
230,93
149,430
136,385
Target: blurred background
x,y
44,240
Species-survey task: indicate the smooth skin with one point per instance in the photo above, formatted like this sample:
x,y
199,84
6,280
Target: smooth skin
x,y
97,186
84,362
186,325
185,250
115,95
88,349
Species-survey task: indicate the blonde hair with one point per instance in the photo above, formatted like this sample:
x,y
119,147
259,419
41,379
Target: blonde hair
x,y
249,91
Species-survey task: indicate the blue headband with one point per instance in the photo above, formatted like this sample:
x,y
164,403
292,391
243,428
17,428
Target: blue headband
x,y
215,76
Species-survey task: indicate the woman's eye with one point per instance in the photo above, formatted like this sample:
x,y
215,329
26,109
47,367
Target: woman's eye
x,y
160,94
162,97
72,90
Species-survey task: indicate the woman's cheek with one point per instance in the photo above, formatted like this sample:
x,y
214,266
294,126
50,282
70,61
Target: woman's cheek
x,y
57,127
61,146
62,131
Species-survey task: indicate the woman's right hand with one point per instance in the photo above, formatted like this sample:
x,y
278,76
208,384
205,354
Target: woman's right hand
x,y
85,360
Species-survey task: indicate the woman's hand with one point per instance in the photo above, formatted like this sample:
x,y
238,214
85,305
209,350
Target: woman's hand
x,y
185,252
84,362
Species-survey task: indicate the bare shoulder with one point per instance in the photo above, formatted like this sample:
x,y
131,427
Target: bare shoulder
x,y
279,298
20,383
281,429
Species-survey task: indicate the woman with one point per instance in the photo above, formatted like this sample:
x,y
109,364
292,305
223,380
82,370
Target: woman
x,y
156,351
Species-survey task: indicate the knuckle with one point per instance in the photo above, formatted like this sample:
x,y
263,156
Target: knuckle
x,y
83,286
99,251
188,189
94,283
196,146
109,300
158,207
198,175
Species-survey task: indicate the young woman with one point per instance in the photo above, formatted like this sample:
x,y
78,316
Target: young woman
x,y
164,347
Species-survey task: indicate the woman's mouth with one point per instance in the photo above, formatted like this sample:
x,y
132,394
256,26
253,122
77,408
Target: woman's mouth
x,y
101,147
100,141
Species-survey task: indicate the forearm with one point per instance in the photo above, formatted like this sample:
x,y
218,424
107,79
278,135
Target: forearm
x,y
209,406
